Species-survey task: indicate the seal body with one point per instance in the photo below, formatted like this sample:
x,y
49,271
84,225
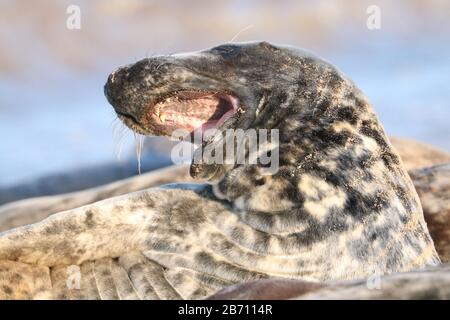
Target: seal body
x,y
340,206
341,190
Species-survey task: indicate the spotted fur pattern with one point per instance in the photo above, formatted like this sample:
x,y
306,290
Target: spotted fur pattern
x,y
433,186
340,207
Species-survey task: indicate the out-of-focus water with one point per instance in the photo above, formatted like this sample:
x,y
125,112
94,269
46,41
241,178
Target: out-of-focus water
x,y
54,118
53,132
410,93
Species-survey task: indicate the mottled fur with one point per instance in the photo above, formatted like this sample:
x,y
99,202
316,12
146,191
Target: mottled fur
x,y
340,207
433,186
415,155
28,211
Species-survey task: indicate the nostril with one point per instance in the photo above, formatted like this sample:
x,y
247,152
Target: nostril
x,y
113,85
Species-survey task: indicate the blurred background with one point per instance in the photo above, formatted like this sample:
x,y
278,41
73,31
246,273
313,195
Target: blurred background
x,y
54,117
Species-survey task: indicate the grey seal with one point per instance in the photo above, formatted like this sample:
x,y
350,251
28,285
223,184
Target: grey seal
x,y
341,206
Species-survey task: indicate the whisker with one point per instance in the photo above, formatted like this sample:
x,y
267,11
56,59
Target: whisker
x,y
242,30
120,145
115,127
119,134
149,54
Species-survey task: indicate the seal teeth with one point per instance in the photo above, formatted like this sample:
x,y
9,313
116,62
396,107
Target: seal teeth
x,y
162,117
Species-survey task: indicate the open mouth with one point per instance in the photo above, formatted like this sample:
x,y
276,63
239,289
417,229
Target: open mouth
x,y
191,111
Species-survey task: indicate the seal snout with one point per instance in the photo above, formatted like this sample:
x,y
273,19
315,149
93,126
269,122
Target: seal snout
x,y
114,86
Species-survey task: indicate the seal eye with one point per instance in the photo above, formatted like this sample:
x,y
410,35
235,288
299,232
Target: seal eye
x,y
227,51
